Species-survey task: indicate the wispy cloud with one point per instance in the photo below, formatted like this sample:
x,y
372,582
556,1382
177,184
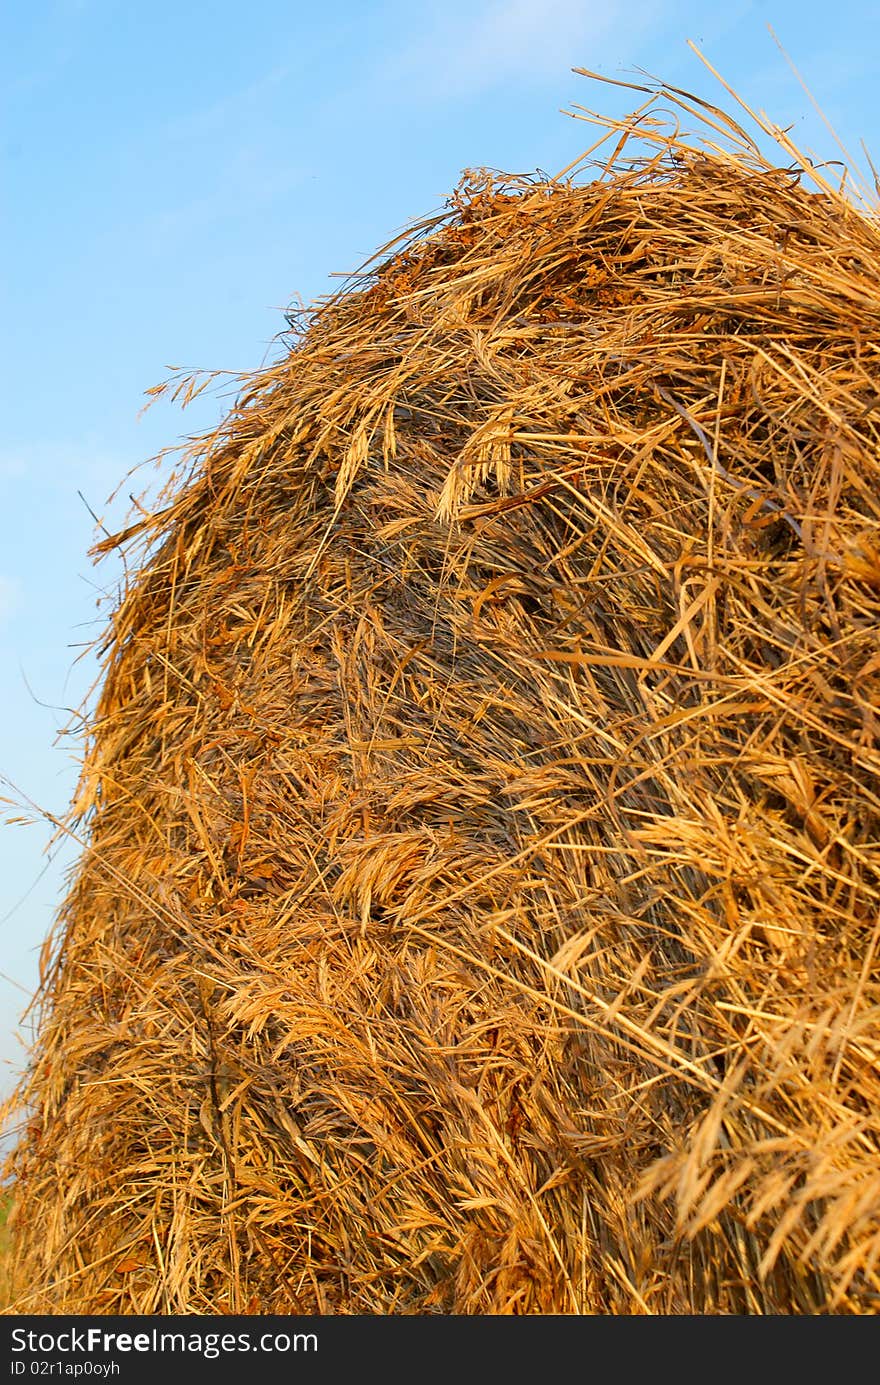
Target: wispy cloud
x,y
49,462
249,182
48,474
10,598
471,49
241,105
11,466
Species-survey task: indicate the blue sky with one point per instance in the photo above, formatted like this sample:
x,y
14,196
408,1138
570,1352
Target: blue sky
x,y
175,175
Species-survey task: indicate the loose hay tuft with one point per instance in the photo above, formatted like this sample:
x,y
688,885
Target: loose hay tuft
x,y
479,904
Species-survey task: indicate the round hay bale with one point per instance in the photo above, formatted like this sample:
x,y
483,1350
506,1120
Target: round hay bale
x,y
478,909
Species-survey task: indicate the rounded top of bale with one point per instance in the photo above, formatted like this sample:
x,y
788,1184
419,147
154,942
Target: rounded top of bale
x,y
477,909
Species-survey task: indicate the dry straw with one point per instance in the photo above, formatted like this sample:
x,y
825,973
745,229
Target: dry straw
x,y
478,904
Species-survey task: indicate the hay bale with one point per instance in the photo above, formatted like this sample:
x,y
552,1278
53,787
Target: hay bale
x,y
478,909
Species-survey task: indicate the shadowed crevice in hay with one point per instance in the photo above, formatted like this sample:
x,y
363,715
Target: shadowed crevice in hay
x,y
478,904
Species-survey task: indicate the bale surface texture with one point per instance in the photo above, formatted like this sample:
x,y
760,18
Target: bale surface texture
x,y
478,908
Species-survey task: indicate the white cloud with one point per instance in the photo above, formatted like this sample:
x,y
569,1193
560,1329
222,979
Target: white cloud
x,y
11,466
85,463
522,36
10,597
474,48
